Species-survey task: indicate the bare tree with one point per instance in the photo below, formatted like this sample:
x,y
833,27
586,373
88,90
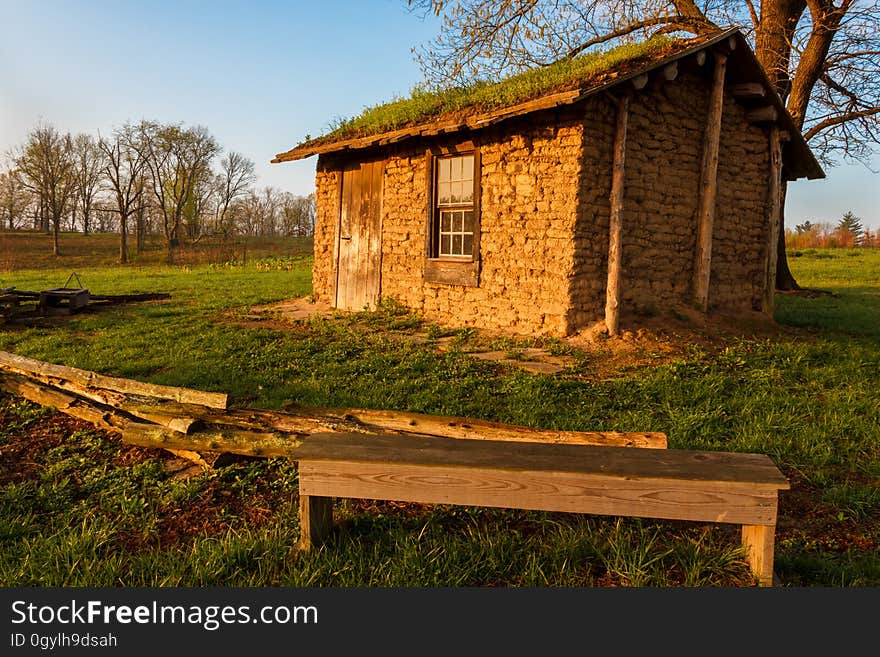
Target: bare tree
x,y
88,170
144,212
196,212
256,212
235,178
298,215
15,199
823,56
46,164
176,159
123,168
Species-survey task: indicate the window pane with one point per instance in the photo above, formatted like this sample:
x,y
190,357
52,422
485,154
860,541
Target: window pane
x,y
445,222
444,168
456,244
445,241
443,193
466,191
468,221
468,245
467,167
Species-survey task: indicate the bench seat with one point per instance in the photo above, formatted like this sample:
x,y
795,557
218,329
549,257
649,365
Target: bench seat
x,y
670,484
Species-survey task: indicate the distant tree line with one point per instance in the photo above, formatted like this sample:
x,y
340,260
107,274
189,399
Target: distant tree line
x,y
847,232
143,179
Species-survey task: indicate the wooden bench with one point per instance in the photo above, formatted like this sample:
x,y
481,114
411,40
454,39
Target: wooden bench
x,y
671,484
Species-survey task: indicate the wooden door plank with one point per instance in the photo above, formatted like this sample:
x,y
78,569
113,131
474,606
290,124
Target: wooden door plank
x,y
344,264
363,239
353,300
334,292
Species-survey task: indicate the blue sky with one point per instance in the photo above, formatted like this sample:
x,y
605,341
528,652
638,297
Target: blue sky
x,y
260,75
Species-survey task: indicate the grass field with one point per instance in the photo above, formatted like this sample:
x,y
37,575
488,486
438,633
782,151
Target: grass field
x,y
28,251
79,508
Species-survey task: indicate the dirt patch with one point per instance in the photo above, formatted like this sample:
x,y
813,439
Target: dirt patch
x,y
805,517
22,452
292,310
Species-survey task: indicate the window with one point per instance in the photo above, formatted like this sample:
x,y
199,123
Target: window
x,y
455,206
453,230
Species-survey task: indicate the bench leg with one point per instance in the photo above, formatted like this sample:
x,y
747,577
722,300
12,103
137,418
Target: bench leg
x,y
315,520
758,541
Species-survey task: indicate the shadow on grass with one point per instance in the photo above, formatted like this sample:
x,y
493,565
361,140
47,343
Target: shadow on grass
x,y
853,311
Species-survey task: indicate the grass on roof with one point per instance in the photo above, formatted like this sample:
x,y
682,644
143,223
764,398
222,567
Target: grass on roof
x,y
423,105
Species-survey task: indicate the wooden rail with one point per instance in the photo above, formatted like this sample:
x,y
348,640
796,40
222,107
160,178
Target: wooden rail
x,y
173,418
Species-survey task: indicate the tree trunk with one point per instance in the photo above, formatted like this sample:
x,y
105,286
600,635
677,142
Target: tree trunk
x,y
773,40
123,247
139,227
784,278
86,222
55,222
44,217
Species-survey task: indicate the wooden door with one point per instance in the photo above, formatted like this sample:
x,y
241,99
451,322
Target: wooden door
x,y
358,267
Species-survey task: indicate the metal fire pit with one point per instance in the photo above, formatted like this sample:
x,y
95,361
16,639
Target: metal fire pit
x,y
71,298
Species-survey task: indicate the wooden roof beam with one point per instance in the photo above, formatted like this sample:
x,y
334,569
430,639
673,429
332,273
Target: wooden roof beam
x,y
766,114
748,91
639,81
662,75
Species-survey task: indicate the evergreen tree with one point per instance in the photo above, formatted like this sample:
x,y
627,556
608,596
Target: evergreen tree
x,y
851,224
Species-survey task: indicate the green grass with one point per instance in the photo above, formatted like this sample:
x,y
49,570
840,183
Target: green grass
x,y
423,105
22,250
79,514
852,276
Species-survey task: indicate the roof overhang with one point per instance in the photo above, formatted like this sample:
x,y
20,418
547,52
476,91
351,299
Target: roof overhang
x,y
743,68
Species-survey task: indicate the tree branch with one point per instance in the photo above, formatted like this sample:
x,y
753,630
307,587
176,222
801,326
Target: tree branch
x,y
839,119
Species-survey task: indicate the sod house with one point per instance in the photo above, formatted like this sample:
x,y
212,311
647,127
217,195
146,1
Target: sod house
x,y
628,182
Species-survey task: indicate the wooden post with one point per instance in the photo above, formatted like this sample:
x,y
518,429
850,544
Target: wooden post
x,y
774,193
612,291
758,541
315,520
708,186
